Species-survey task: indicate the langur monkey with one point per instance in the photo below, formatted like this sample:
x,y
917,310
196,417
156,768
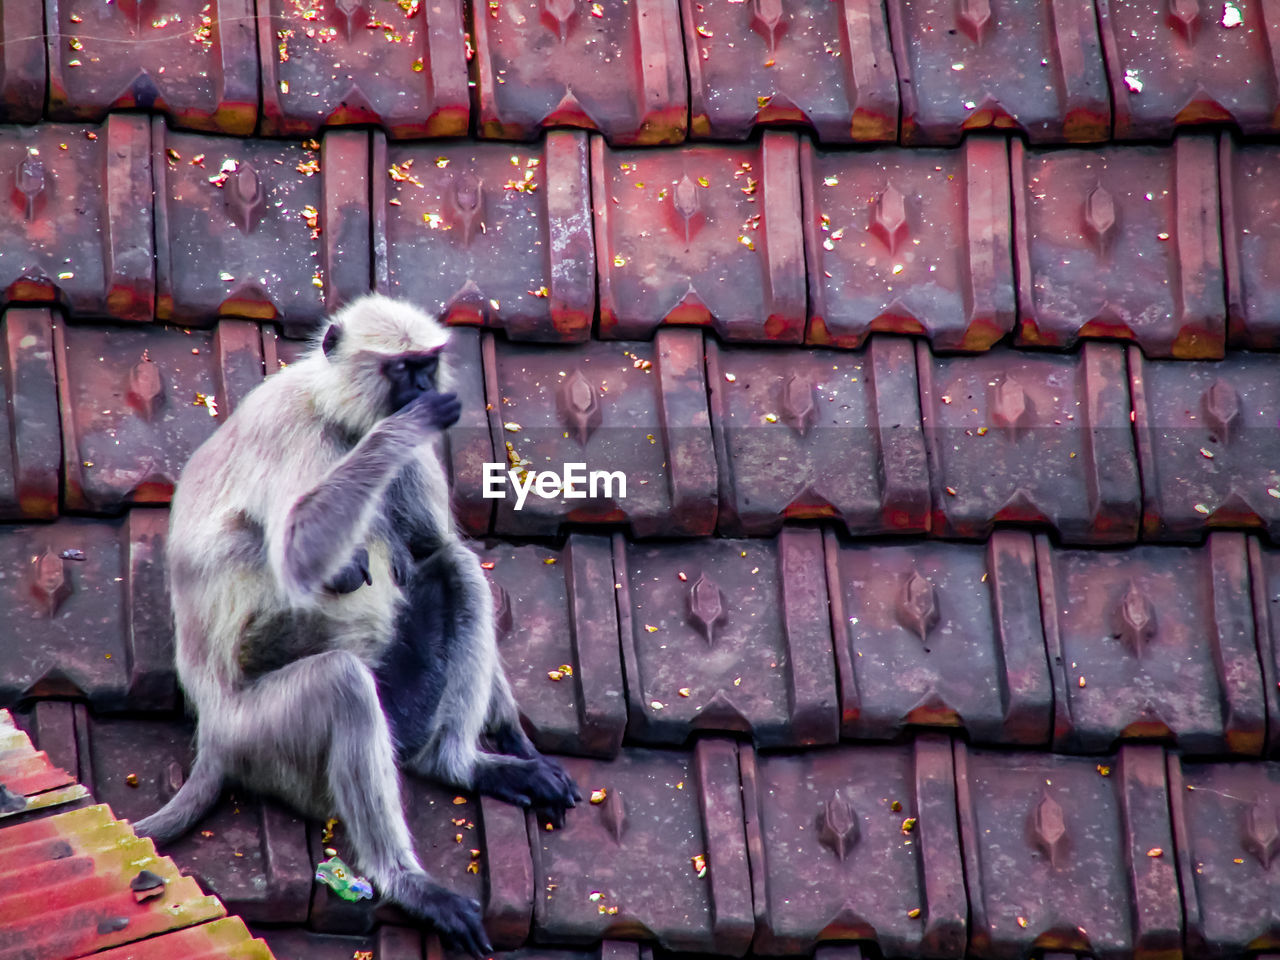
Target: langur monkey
x,y
330,621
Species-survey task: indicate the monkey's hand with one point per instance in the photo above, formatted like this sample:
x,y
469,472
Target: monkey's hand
x,y
431,411
540,783
566,793
353,576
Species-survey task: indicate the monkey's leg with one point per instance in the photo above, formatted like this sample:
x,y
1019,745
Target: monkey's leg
x,y
451,615
320,716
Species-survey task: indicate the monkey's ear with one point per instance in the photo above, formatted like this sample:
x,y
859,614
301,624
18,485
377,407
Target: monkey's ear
x,y
331,338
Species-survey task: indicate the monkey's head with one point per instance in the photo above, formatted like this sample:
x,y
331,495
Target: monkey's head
x,y
381,354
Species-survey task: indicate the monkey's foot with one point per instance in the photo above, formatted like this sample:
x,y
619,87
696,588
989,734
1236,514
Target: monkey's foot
x,y
540,783
456,919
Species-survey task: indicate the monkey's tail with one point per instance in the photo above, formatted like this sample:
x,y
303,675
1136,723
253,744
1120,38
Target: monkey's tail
x,y
193,800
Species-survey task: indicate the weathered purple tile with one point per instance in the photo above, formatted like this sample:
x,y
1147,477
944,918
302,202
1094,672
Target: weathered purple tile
x,y
136,402
707,235
1250,237
728,635
1068,853
555,610
1226,821
89,612
805,434
29,462
660,854
1185,62
1121,241
22,72
194,61
79,227
357,62
909,241
1031,438
542,65
292,943
639,409
1153,642
506,228
940,635
1208,444
856,844
239,227
1264,571
825,65
1032,67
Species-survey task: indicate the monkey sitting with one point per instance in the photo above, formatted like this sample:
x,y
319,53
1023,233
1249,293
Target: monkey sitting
x,y
331,622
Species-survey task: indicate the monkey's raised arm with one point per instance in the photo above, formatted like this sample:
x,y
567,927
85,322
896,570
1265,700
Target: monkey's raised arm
x,y
325,525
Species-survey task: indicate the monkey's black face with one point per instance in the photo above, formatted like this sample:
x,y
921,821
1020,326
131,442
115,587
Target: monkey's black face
x,y
410,375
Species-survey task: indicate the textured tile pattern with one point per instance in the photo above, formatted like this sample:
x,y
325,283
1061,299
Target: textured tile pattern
x,y
933,622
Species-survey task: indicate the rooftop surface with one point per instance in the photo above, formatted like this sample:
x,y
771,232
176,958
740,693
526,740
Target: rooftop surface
x,y
937,341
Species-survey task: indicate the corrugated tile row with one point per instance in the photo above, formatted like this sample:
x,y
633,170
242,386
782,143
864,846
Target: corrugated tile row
x,y
1059,71
75,880
1101,445
719,849
803,638
777,241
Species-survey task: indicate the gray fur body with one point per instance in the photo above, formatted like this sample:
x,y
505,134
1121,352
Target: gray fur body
x,y
312,555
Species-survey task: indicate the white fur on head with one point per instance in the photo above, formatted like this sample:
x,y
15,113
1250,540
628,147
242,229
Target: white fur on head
x,y
353,389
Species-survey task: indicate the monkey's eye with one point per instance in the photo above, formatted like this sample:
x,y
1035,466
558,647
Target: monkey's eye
x,y
400,366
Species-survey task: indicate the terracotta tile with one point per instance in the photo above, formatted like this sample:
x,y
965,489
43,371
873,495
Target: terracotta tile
x,y
940,635
638,408
706,235
29,464
539,64
826,65
1176,63
91,612
1121,242
506,228
398,66
857,844
233,229
1153,642
629,865
1208,444
250,853
727,635
1031,438
28,774
79,230
1226,820
1251,232
909,241
1035,68
72,896
136,403
23,78
818,433
556,608
1068,853
195,61
226,938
